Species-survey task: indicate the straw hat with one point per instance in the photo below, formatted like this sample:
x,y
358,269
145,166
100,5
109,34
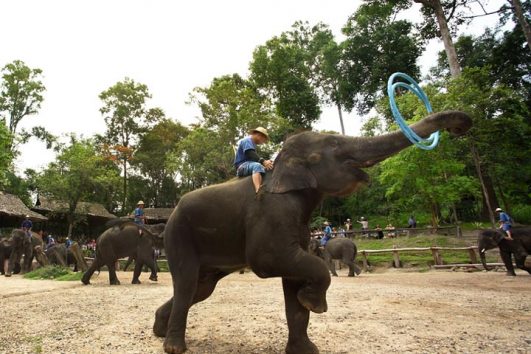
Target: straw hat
x,y
140,203
260,130
498,209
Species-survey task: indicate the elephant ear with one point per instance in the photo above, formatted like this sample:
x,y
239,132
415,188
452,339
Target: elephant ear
x,y
290,173
498,236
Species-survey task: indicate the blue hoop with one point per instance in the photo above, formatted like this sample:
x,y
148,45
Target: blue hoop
x,y
425,144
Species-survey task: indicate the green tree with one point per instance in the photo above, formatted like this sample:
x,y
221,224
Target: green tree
x,y
157,187
285,68
6,156
21,92
127,117
376,47
75,176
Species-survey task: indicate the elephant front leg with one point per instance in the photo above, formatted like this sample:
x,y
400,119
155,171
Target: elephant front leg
x,y
300,265
298,317
331,264
507,260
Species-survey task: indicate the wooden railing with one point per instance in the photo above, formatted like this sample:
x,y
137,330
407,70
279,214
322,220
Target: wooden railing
x,y
435,251
454,230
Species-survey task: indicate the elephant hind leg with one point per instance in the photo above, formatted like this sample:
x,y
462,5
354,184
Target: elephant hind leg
x,y
88,274
136,273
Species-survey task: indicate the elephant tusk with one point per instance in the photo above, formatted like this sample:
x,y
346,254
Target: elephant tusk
x,y
482,251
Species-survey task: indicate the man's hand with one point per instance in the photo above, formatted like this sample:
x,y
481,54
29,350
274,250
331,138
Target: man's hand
x,y
268,164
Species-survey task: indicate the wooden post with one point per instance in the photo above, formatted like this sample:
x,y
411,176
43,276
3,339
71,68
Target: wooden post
x,y
436,256
472,254
458,232
396,258
365,262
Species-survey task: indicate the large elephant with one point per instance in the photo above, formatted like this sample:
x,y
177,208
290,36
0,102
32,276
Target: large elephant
x,y
124,239
65,256
519,246
223,228
337,248
30,247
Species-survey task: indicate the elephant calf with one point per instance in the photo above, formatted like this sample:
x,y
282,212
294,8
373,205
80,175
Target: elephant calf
x,y
519,246
61,255
337,248
125,239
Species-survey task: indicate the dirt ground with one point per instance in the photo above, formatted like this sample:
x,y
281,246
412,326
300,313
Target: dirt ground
x,y
382,312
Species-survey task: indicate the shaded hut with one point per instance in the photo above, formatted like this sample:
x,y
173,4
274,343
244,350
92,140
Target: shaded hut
x,y
90,217
13,211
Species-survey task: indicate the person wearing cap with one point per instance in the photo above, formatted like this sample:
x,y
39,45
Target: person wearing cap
x,y
139,213
506,222
327,233
26,226
247,161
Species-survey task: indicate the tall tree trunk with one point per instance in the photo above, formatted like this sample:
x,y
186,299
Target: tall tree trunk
x,y
125,187
477,164
455,68
341,118
522,20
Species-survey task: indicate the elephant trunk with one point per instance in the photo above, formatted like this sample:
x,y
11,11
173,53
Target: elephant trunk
x,y
376,149
484,261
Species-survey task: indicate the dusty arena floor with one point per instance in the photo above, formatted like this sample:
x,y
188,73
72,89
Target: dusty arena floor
x,y
388,312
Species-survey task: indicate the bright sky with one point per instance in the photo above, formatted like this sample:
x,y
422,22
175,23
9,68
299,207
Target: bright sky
x,y
84,47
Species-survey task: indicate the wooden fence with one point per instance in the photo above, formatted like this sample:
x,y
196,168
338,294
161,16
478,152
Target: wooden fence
x,y
454,230
435,252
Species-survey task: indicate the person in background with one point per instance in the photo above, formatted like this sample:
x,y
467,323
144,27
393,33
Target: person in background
x,y
379,232
26,226
327,233
50,241
364,225
68,242
412,223
390,230
506,223
139,213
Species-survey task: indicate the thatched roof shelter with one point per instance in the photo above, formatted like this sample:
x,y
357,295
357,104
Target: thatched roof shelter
x,y
47,205
12,206
155,215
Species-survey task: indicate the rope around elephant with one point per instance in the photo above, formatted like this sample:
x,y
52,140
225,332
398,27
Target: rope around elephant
x,y
425,144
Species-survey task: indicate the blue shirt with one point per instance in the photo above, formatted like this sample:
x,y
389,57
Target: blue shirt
x,y
138,213
27,224
505,218
243,145
327,235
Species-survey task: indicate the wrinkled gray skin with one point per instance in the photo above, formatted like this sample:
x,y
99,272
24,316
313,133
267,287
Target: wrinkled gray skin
x,y
5,253
519,247
342,249
123,240
60,255
21,245
223,228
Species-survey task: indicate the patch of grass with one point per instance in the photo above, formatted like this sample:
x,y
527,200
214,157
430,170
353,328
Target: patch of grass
x,y
53,272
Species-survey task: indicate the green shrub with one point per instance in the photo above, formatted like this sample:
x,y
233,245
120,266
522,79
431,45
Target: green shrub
x,y
521,214
53,272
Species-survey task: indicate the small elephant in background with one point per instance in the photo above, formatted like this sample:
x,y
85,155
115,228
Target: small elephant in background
x,y
342,249
65,256
124,238
519,246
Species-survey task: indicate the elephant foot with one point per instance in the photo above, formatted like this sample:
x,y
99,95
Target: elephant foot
x,y
174,346
85,280
304,346
350,275
154,278
510,274
136,281
8,274
115,282
312,300
334,274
